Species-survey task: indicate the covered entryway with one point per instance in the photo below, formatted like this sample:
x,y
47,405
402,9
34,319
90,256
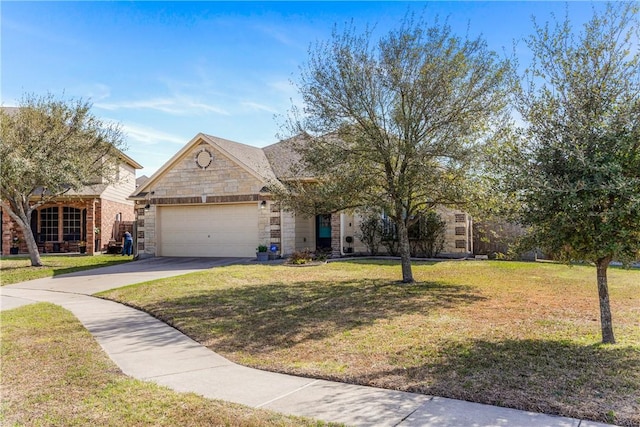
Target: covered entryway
x,y
208,231
323,231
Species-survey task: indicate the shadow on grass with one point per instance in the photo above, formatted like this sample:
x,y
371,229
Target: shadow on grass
x,y
595,382
74,269
52,267
258,318
384,261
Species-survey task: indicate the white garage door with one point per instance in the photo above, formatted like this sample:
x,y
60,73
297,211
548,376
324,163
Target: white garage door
x,y
208,231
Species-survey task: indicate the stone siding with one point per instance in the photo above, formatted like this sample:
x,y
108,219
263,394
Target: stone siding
x,y
458,233
336,246
222,177
287,233
185,182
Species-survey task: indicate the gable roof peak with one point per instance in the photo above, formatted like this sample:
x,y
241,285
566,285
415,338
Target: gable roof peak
x,y
250,158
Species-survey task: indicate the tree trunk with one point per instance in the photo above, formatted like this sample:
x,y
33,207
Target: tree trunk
x,y
34,253
606,322
23,220
405,252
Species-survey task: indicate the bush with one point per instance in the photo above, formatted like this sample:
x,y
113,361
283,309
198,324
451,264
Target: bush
x,y
301,257
427,235
371,232
392,244
322,254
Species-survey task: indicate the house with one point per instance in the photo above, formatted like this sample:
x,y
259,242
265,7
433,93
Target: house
x,y
95,214
211,199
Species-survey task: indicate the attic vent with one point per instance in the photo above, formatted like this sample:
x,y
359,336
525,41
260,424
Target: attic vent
x,y
204,158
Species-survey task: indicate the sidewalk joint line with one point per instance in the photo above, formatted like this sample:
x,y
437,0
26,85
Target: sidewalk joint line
x,y
287,394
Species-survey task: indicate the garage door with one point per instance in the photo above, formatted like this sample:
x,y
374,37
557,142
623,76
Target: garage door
x,y
208,231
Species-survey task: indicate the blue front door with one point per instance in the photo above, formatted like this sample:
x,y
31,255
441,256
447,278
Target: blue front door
x,y
323,231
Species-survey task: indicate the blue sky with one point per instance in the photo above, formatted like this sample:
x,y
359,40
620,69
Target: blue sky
x,y
168,70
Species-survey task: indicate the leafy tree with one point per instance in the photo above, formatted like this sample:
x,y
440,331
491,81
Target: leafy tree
x,y
393,124
577,169
49,147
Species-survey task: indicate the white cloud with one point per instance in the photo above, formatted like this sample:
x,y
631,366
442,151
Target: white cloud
x,y
94,92
149,136
259,107
277,33
177,105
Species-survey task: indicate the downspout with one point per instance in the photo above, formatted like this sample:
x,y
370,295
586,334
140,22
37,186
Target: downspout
x,y
90,231
135,237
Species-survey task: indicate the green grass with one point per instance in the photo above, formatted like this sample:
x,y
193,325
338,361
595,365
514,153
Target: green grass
x,y
521,335
55,374
17,269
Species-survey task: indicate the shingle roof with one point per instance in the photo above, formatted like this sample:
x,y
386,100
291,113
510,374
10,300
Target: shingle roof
x,y
270,164
285,161
252,158
141,180
94,190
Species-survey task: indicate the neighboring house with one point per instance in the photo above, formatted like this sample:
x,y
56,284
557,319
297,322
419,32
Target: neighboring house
x,y
93,215
211,199
141,180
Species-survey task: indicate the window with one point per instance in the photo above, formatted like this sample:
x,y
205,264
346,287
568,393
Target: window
x,y
71,224
461,244
389,230
49,224
461,217
461,231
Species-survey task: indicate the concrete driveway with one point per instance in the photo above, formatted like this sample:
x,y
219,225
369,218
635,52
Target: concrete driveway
x,y
101,279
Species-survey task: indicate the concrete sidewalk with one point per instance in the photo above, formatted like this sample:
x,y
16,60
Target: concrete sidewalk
x,y
148,349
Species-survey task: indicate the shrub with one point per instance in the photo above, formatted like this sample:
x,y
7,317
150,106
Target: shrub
x,y
301,257
427,235
371,232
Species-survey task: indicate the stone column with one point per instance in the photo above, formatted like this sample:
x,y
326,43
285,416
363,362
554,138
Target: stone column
x,y
336,242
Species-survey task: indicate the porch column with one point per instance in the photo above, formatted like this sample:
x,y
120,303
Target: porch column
x,y
90,226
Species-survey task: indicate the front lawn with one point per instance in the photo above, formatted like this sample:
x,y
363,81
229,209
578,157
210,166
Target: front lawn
x,y
521,335
55,374
16,269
